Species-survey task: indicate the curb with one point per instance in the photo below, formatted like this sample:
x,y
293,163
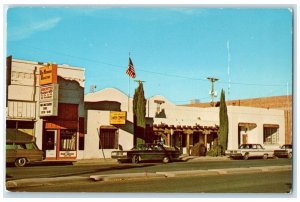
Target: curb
x,y
126,176
32,182
145,175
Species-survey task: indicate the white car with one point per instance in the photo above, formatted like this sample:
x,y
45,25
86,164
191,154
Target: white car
x,y
247,151
285,150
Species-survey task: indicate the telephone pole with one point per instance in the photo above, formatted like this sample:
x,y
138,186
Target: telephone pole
x,y
139,81
212,92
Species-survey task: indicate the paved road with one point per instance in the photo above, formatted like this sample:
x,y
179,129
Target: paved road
x,y
267,182
113,168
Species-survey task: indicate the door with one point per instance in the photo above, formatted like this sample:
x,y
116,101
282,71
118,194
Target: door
x,y
50,140
245,139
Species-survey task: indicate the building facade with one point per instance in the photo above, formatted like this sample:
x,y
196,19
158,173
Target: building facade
x,y
275,102
45,104
180,126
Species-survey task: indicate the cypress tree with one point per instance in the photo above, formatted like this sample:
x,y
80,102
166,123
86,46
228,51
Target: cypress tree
x,y
139,114
223,118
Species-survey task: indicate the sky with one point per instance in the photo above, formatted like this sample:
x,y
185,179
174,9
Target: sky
x,y
173,48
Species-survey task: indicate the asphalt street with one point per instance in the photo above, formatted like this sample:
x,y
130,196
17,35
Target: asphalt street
x,y
84,176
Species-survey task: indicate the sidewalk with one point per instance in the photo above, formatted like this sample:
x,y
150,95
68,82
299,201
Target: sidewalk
x,y
184,158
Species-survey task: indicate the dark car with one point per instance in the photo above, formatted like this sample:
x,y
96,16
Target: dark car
x,y
22,152
285,151
147,152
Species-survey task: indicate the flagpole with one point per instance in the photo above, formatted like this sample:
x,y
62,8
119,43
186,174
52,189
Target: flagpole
x,y
128,89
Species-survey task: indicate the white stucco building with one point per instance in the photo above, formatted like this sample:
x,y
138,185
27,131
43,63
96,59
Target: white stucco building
x,y
177,125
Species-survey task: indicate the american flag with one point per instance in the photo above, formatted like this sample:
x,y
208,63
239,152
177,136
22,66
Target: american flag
x,y
130,71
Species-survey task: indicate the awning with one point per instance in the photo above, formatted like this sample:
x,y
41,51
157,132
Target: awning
x,y
110,127
271,126
248,125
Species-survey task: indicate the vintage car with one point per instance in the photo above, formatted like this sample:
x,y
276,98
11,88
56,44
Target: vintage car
x,y
247,151
22,152
147,152
285,150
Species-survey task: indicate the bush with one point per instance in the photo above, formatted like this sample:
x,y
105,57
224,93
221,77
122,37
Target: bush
x,y
215,150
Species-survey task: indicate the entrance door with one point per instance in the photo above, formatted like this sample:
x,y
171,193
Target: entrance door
x,y
245,139
50,140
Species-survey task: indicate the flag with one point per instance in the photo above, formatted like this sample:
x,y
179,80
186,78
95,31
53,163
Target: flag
x,y
130,70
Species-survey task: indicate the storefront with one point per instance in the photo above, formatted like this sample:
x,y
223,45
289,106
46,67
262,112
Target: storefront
x,y
60,133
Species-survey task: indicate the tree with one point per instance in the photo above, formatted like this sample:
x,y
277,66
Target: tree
x,y
139,114
223,118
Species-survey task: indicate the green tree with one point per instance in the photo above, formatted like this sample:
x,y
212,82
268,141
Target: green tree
x,y
139,114
223,129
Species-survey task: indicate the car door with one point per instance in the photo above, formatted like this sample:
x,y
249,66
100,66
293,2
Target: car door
x,y
10,152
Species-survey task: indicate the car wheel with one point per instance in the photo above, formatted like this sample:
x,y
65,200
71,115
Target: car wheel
x,y
166,159
265,156
275,157
135,159
246,156
290,155
20,162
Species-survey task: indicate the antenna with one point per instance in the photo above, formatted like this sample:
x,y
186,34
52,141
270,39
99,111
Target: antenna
x,y
228,66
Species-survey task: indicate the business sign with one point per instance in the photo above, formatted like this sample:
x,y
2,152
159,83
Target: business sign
x,y
117,117
67,154
48,74
49,92
48,108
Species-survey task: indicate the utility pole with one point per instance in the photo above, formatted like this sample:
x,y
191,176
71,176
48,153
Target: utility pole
x,y
139,81
212,92
92,88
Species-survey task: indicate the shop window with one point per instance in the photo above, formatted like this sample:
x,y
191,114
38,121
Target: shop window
x,y
271,135
68,140
108,139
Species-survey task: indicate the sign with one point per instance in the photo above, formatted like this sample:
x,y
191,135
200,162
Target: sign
x,y
48,74
117,117
67,154
49,92
48,108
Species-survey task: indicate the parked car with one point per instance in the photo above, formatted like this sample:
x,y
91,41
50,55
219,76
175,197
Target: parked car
x,y
22,153
247,151
285,150
147,152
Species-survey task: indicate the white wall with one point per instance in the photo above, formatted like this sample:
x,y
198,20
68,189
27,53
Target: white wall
x,y
260,116
96,118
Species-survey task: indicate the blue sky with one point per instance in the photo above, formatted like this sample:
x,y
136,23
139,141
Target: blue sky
x,y
173,49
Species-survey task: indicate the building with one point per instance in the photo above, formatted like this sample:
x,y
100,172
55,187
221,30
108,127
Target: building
x,y
275,102
45,103
110,124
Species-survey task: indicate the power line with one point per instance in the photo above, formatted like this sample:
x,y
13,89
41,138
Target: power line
x,y
152,72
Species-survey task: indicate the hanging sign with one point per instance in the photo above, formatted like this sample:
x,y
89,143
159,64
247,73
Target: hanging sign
x,y
117,117
48,74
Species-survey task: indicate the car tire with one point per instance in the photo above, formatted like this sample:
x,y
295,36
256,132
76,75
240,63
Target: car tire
x,y
246,156
135,159
265,156
290,155
20,162
166,159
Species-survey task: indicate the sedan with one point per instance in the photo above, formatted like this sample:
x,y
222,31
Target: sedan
x,y
147,152
285,150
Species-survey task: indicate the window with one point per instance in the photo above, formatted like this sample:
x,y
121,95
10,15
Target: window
x,y
81,143
108,139
67,140
271,135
